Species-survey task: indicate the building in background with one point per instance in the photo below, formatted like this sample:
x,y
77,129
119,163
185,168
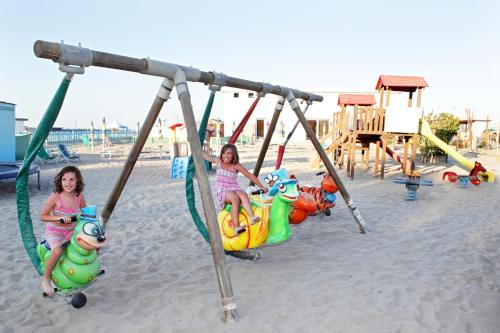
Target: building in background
x,y
7,132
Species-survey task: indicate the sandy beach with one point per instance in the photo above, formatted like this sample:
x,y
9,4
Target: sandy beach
x,y
426,266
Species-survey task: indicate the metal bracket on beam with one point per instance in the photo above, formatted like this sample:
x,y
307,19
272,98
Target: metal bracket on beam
x,y
78,57
284,91
219,79
75,55
266,88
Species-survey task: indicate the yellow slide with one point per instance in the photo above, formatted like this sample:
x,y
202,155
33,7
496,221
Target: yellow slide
x,y
427,133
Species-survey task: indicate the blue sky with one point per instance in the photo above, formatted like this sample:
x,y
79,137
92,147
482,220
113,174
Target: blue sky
x,y
308,45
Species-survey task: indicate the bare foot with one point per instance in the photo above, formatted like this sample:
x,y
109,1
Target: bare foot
x,y
239,229
255,219
47,288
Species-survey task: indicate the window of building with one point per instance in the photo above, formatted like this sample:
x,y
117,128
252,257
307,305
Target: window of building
x,y
236,95
250,95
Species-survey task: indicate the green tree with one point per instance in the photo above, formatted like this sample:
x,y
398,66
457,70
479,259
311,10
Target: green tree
x,y
445,126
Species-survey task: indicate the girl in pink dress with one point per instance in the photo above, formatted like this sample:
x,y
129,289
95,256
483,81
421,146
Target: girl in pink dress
x,y
61,205
227,190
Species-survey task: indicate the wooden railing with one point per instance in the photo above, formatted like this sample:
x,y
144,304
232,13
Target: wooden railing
x,y
366,120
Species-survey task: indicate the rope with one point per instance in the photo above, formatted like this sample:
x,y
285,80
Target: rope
x,y
243,122
22,194
190,196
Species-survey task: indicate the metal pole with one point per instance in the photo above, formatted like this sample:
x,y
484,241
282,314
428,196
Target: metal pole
x,y
161,97
343,191
79,56
267,139
223,278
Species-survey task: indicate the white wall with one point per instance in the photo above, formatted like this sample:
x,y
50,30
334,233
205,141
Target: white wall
x,y
234,110
20,126
399,118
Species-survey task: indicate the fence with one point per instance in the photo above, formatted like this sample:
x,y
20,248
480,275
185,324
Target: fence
x,y
78,136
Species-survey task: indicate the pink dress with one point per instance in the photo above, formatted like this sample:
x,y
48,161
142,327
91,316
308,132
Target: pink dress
x,y
55,234
225,181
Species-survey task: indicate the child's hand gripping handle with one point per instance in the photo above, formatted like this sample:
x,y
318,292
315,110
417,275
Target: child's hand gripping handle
x,y
259,191
73,219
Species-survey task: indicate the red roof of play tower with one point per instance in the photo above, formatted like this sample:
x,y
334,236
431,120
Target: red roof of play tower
x,y
356,99
401,83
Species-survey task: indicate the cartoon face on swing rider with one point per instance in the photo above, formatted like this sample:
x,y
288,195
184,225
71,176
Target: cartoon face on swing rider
x,y
78,264
272,209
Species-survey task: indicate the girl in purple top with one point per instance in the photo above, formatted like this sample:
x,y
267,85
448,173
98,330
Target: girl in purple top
x,y
65,202
227,189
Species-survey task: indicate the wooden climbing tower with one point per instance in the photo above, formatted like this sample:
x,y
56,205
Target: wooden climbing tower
x,y
360,123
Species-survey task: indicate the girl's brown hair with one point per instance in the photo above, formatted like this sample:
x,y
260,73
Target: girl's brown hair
x,y
79,179
236,157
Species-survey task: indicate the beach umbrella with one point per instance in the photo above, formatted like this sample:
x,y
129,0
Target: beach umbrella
x,y
92,135
160,133
173,128
103,130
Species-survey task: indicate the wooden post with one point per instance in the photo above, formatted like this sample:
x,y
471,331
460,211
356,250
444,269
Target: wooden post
x,y
419,97
487,133
382,165
223,278
378,126
388,100
340,185
74,55
414,147
370,118
349,152
405,154
352,156
364,111
344,129
367,156
410,99
267,139
162,95
377,156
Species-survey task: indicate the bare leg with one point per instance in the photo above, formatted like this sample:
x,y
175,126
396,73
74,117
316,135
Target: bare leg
x,y
55,254
233,199
248,206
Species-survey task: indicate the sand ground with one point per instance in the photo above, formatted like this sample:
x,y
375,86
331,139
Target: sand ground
x,y
426,266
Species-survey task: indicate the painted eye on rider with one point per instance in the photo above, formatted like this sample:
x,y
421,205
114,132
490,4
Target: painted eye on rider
x,y
275,177
267,180
90,229
282,188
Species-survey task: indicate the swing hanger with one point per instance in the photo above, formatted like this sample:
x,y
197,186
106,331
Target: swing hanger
x,y
77,56
266,88
213,87
219,79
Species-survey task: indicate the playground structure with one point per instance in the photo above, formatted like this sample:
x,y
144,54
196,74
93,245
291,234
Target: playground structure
x,y
360,123
470,139
464,180
73,60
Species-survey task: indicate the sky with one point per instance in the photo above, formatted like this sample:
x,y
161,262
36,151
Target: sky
x,y
306,45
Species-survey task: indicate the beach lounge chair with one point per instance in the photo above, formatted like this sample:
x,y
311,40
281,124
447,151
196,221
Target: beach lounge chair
x,y
107,141
86,141
45,157
65,154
